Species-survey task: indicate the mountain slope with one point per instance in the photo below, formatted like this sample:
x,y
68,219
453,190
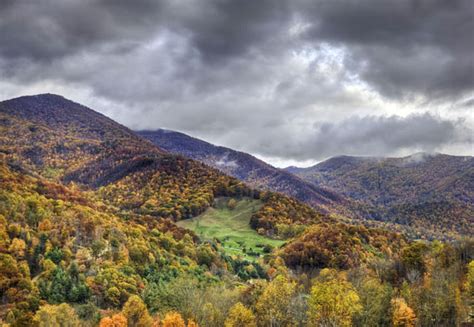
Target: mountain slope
x,y
435,191
87,230
51,135
58,139
245,167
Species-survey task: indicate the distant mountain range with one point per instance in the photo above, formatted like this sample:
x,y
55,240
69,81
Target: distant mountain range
x,y
424,191
429,190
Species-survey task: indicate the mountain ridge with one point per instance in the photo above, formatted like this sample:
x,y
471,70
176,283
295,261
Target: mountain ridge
x,y
243,166
421,186
423,203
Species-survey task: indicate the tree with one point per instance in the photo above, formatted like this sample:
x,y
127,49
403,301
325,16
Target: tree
x,y
17,248
240,316
333,300
173,319
117,320
470,278
136,312
375,300
402,314
274,304
413,257
56,315
470,289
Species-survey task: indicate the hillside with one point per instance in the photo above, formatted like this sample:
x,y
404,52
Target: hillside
x,y
423,190
421,201
61,140
56,137
90,217
247,168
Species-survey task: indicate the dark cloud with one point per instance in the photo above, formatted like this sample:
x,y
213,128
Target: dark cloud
x,y
47,30
402,48
246,73
231,28
373,135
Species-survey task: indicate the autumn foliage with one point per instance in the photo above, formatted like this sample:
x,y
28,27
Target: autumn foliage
x,y
88,237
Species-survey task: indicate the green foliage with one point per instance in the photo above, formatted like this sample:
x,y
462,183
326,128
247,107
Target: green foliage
x,y
413,256
231,227
64,286
375,300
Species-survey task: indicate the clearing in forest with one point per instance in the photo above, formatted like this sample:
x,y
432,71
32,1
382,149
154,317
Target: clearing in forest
x,y
231,227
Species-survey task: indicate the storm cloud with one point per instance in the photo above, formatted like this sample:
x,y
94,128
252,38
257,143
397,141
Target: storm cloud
x,y
369,136
286,80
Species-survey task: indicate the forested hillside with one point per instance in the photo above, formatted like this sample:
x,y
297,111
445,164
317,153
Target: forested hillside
x,y
429,201
88,237
252,171
432,191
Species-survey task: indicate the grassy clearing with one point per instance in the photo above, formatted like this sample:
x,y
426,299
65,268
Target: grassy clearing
x,y
231,227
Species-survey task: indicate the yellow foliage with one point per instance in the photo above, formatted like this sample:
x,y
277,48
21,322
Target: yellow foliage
x,y
56,315
402,314
136,312
240,316
274,305
17,248
333,300
470,278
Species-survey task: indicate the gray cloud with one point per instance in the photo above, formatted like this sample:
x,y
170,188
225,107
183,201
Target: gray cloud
x,y
375,135
402,48
47,30
255,75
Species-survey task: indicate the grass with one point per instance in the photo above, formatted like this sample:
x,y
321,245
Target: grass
x,y
231,227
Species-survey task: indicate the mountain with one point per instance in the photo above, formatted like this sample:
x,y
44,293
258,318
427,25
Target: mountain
x,y
245,167
426,190
421,195
90,235
54,138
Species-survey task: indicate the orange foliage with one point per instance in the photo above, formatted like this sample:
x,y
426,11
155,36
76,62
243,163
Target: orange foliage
x,y
117,320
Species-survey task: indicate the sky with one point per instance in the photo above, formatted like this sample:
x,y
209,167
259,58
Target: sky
x,y
292,82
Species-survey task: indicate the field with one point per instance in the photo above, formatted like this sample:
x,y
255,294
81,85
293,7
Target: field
x,y
231,227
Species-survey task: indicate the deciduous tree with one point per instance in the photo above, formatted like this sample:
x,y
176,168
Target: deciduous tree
x,y
136,312
117,320
402,314
56,315
274,305
240,316
333,300
173,319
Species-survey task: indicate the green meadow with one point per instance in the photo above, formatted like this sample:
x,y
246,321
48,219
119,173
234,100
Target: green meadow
x,y
231,227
